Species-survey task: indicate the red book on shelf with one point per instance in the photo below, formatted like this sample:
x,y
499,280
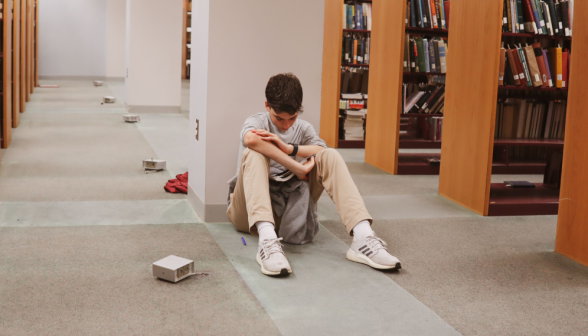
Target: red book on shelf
x,y
447,6
564,68
520,67
529,14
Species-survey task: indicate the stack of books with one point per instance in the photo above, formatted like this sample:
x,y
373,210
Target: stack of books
x,y
533,66
425,55
354,124
549,17
357,15
432,14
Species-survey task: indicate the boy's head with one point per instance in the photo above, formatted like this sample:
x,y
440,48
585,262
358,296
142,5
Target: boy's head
x,y
283,95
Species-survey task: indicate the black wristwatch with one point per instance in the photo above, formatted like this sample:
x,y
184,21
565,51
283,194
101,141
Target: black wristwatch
x,y
295,151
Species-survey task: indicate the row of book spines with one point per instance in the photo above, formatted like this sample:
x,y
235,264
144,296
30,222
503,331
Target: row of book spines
x,y
430,128
355,81
530,120
549,17
429,101
432,14
356,50
421,55
533,66
357,16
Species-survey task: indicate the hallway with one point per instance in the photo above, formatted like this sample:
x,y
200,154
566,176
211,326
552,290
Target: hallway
x,y
81,223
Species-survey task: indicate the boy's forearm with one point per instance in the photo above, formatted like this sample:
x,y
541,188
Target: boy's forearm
x,y
304,151
273,152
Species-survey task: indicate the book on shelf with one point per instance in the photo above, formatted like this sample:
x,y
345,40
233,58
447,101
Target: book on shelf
x,y
424,55
428,100
357,16
354,81
351,104
356,49
432,14
529,119
556,66
534,66
543,17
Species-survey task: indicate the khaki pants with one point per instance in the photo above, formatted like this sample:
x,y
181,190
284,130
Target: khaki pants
x,y
251,202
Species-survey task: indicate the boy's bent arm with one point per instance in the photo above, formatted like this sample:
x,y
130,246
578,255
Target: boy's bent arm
x,y
304,151
254,142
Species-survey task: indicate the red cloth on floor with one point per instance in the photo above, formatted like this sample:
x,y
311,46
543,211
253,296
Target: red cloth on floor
x,y
177,185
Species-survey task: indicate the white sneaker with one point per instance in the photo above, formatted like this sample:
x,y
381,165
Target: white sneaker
x,y
372,251
272,259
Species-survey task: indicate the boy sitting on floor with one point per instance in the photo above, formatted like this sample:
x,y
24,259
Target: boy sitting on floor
x,y
273,142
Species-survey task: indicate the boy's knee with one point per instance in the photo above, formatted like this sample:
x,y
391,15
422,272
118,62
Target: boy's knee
x,y
329,154
250,154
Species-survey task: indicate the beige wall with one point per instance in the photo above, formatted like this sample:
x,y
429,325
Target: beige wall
x,y
115,38
153,53
239,48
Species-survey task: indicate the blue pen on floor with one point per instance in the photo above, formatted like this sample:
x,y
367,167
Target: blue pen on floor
x,y
243,239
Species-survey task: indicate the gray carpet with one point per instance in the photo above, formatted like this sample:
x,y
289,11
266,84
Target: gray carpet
x,y
98,280
488,276
78,157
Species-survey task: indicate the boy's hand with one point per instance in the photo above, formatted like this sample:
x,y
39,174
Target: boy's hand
x,y
267,136
306,168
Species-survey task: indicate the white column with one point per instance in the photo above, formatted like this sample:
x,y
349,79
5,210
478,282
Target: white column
x,y
116,14
236,47
154,46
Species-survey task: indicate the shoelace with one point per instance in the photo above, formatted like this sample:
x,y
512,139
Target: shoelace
x,y
271,246
376,243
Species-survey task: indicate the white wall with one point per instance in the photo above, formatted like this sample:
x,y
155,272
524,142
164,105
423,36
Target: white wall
x,y
154,51
72,38
116,38
239,47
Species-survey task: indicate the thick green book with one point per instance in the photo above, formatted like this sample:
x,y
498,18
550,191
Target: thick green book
x,y
421,54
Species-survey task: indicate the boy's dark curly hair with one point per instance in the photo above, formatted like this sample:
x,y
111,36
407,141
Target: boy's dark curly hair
x,y
284,93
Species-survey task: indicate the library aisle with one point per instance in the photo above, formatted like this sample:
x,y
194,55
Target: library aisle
x,y
82,224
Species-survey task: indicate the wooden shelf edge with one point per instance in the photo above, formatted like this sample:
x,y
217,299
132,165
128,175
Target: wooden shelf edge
x,y
527,35
355,65
356,30
351,144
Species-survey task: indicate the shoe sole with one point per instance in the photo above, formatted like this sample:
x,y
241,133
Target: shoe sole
x,y
282,272
360,258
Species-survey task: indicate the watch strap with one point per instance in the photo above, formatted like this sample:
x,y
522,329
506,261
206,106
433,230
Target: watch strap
x,y
295,151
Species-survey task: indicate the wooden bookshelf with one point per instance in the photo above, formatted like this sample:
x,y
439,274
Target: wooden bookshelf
x,y
385,83
30,49
470,151
572,230
36,44
16,64
6,131
23,55
186,37
470,103
331,76
383,137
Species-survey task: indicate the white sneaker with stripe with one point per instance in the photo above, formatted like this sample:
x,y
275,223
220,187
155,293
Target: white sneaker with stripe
x,y
372,251
272,259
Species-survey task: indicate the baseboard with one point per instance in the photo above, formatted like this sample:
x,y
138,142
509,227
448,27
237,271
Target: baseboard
x,y
209,213
89,78
195,202
138,109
